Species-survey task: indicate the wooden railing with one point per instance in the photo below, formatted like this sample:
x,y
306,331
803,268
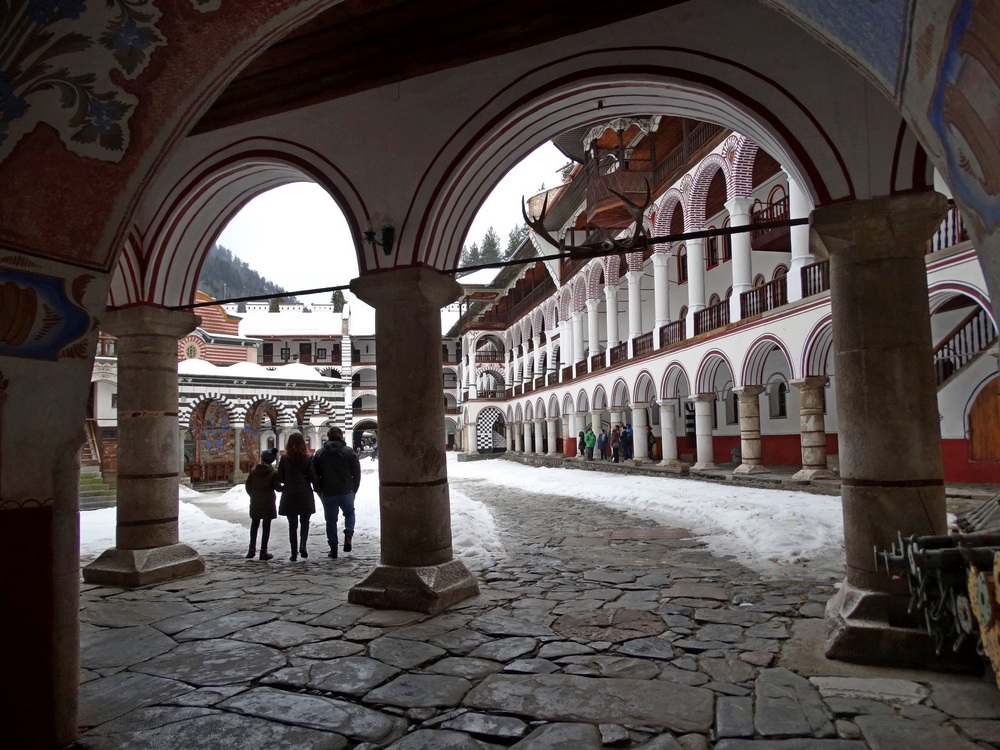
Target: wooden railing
x,y
777,211
642,344
567,373
619,353
963,343
357,359
581,367
551,378
951,232
673,333
597,362
494,395
488,355
712,317
538,382
763,298
815,278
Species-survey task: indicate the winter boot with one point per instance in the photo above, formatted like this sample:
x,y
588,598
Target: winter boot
x,y
265,555
347,542
252,552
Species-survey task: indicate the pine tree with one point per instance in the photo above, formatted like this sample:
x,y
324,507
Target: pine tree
x,y
273,307
516,236
337,298
471,255
490,250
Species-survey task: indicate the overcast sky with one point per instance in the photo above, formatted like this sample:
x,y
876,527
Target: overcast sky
x,y
297,237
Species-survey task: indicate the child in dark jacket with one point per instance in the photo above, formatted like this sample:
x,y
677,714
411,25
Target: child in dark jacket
x,y
261,485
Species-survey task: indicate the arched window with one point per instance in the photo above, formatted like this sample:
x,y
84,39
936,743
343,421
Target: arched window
x,y
713,300
778,399
682,264
779,271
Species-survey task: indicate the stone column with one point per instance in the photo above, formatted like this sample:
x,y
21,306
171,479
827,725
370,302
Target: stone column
x,y
661,294
593,332
553,433
575,425
799,206
741,265
595,421
634,304
578,350
611,314
182,477
147,548
238,475
567,432
696,280
508,429
812,428
471,444
527,428
539,425
417,570
703,405
749,398
890,443
640,450
517,428
668,428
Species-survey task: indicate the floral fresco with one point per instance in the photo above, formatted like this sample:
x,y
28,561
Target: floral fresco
x,y
58,63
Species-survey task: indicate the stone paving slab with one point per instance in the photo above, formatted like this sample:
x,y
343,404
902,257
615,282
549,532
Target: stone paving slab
x,y
568,698
317,712
214,662
560,622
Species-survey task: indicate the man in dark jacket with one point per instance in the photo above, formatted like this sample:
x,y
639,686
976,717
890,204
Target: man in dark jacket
x,y
336,474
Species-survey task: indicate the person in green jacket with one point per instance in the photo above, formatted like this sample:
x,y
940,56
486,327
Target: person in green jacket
x,y
590,440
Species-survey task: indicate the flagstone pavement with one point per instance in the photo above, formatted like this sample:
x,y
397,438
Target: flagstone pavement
x,y
596,629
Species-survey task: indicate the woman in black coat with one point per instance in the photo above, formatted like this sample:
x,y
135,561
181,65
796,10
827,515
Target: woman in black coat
x,y
297,499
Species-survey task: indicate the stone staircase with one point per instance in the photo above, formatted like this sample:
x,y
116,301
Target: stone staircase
x,y
94,492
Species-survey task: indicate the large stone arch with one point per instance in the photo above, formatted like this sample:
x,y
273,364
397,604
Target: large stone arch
x,y
694,216
817,350
645,388
713,366
620,394
489,431
758,353
674,377
165,266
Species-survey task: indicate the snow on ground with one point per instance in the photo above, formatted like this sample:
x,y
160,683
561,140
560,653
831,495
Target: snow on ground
x,y
775,532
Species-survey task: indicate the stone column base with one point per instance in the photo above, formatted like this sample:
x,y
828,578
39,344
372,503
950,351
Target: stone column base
x,y
430,589
806,475
704,466
858,630
674,466
129,568
743,469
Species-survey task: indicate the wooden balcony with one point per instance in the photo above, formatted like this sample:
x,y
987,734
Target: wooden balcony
x,y
815,278
673,333
760,299
775,239
552,378
567,373
642,345
597,362
712,317
486,355
619,353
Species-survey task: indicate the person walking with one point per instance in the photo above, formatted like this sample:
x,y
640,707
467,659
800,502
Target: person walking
x,y
616,445
336,474
581,442
602,441
650,442
297,500
590,440
261,484
626,438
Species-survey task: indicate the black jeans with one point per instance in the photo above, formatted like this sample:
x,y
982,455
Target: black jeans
x,y
293,535
265,532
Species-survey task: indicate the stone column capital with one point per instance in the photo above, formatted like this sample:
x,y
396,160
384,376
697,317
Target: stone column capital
x,y
660,259
887,227
704,396
149,320
749,391
810,382
739,210
405,286
592,304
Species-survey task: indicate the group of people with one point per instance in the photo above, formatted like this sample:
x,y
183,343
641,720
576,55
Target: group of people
x,y
333,472
615,447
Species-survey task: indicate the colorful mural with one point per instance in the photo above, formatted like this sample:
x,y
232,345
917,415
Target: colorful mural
x,y
38,319
965,109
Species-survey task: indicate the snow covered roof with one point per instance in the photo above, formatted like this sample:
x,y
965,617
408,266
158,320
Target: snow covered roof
x,y
294,371
287,323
